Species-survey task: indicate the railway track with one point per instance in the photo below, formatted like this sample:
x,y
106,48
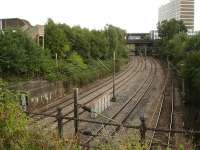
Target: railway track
x,y
164,119
68,100
119,85
129,106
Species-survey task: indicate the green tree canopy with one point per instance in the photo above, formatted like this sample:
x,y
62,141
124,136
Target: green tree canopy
x,y
19,54
55,40
167,29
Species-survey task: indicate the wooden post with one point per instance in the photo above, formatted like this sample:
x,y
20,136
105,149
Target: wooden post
x,y
142,130
60,122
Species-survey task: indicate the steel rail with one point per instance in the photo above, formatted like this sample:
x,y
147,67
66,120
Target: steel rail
x,y
108,81
121,108
154,132
139,99
171,116
117,88
162,98
89,101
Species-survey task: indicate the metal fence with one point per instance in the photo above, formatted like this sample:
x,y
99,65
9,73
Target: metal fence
x,y
142,127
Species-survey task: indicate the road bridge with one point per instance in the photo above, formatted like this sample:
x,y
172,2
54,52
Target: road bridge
x,y
138,41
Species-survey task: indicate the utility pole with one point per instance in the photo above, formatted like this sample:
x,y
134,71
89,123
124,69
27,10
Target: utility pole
x,y
76,112
142,130
145,56
113,98
60,122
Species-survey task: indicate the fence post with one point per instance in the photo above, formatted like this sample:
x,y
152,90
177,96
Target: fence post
x,y
76,124
142,130
59,118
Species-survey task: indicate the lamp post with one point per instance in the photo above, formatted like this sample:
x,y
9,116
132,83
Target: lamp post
x,y
113,98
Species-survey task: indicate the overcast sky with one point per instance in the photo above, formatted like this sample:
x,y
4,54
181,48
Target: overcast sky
x,y
131,15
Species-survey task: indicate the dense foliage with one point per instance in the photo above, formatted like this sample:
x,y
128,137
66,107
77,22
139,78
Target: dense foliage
x,y
79,49
19,55
167,29
64,40
12,120
184,53
14,129
71,53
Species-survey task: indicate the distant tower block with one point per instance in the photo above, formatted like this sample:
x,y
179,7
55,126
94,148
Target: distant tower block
x,y
179,10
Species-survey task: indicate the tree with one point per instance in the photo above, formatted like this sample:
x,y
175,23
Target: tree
x,y
167,29
19,54
194,43
55,40
176,47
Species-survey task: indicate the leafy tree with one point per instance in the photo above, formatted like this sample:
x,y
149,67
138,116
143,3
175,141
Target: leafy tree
x,y
55,40
177,47
19,54
77,60
77,50
167,29
194,43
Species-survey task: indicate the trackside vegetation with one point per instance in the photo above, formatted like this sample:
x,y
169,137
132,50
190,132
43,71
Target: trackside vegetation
x,y
71,54
183,51
16,134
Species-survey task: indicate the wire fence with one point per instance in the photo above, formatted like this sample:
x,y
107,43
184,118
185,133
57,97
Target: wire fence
x,y
60,117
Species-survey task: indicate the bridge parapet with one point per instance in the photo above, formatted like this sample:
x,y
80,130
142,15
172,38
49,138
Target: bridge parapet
x,y
138,38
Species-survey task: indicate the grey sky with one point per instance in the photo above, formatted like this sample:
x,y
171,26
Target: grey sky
x,y
132,15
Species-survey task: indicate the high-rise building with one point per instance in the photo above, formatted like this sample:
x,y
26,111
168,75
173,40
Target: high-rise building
x,y
179,10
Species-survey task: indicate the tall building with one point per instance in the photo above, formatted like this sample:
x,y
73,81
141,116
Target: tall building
x,y
179,10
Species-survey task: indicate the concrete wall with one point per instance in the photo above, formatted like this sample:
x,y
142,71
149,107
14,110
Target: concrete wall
x,y
40,93
100,105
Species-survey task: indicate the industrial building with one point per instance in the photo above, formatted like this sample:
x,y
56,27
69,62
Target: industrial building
x,y
35,32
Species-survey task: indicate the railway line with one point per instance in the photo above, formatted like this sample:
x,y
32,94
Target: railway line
x,y
120,81
163,118
124,85
124,112
68,99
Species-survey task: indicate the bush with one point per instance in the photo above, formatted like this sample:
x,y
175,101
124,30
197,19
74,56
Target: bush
x,y
19,55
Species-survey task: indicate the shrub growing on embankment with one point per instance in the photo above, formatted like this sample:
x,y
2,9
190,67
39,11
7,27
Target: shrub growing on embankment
x,y
70,53
16,134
